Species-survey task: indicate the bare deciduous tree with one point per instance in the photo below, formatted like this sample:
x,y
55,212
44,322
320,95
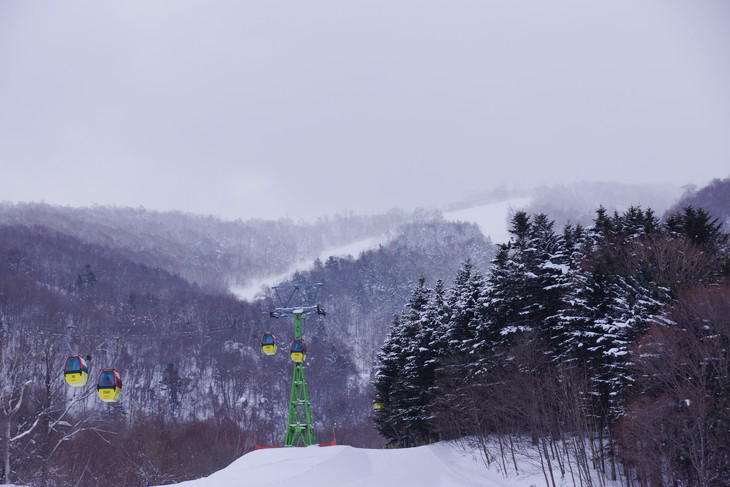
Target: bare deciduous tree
x,y
676,427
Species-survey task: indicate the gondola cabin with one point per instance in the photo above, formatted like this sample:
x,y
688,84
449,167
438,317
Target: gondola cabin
x,y
75,371
298,350
109,386
268,343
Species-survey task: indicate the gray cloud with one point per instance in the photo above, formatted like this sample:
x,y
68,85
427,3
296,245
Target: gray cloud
x,y
263,109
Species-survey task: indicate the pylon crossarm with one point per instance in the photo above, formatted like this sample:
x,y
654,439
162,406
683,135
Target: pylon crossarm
x,y
279,312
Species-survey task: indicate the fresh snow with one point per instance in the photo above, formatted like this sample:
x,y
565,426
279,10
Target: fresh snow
x,y
492,219
438,465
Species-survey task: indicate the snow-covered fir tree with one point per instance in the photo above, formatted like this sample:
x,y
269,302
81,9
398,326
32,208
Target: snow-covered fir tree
x,y
399,389
525,284
611,299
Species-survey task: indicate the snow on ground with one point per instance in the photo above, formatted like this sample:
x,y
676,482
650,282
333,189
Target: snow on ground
x,y
438,465
493,219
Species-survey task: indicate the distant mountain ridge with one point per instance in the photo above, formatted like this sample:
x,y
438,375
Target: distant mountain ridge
x,y
203,249
713,198
227,254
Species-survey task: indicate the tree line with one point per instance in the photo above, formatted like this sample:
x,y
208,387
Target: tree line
x,y
205,250
188,354
179,348
601,347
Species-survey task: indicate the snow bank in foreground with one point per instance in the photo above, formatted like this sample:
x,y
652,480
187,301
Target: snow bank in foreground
x,y
439,465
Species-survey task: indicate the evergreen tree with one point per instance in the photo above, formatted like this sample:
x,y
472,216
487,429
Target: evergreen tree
x,y
635,223
525,283
390,365
697,225
412,400
454,363
429,350
399,385
610,300
465,304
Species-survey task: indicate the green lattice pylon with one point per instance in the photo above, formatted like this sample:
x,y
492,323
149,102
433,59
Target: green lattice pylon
x,y
299,428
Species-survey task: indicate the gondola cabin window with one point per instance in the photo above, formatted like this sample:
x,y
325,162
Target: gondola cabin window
x,y
73,364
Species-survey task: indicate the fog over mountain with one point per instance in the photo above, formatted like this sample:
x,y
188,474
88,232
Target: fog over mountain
x,y
309,109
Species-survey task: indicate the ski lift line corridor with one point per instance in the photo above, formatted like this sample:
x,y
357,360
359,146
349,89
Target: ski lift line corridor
x,y
76,368
109,382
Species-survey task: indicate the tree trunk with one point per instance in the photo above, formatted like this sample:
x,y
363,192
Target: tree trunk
x,y
6,453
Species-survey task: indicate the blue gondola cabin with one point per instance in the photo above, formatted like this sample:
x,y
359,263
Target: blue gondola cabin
x,y
109,385
298,350
75,371
268,343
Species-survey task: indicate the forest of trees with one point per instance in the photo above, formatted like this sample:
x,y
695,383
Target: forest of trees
x,y
580,341
602,347
197,391
203,250
62,296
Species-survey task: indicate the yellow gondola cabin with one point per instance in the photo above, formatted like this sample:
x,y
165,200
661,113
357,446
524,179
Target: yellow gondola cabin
x,y
298,350
75,371
268,343
109,386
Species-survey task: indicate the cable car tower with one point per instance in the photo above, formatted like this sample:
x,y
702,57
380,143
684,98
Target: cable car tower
x,y
299,427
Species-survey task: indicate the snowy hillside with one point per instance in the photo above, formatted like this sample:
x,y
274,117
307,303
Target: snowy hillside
x,y
492,220
437,465
258,287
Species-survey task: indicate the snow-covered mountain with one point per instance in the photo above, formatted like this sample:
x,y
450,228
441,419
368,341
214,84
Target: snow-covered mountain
x,y
492,219
257,287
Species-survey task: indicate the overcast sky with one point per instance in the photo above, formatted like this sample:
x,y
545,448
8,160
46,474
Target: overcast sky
x,y
274,108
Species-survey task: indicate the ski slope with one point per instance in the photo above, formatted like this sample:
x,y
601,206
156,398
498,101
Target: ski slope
x,y
438,465
258,287
492,219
